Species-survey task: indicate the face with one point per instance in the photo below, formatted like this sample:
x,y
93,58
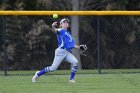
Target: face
x,y
64,24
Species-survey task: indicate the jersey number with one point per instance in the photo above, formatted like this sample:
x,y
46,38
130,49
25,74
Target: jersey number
x,y
70,38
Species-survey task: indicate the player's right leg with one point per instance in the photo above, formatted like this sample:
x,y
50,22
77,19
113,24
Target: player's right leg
x,y
59,56
71,58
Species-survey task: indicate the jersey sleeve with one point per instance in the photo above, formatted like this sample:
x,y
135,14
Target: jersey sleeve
x,y
61,31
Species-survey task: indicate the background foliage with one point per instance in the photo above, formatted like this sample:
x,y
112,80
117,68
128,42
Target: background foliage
x,y
31,44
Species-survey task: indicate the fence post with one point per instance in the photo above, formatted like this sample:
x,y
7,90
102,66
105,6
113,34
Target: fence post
x,y
4,42
98,45
75,31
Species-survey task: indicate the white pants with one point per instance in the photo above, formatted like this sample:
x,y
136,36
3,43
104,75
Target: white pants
x,y
60,55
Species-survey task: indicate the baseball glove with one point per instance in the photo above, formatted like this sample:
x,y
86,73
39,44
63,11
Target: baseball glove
x,y
83,49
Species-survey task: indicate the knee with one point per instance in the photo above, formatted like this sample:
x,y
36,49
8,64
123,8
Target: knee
x,y
75,63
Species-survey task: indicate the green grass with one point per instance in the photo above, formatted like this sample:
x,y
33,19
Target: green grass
x,y
66,72
86,83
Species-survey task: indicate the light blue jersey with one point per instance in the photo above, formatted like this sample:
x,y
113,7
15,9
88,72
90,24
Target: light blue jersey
x,y
65,40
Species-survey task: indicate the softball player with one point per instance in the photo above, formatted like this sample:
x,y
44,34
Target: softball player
x,y
63,52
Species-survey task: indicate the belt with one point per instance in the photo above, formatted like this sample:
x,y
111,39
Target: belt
x,y
66,49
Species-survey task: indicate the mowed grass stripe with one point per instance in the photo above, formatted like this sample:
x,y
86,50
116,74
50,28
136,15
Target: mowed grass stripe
x,y
86,83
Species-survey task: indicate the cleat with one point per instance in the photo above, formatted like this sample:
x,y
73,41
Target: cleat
x,y
35,77
72,81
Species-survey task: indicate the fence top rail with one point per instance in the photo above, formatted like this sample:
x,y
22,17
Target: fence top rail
x,y
71,13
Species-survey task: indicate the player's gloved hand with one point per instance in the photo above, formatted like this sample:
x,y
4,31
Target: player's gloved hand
x,y
83,48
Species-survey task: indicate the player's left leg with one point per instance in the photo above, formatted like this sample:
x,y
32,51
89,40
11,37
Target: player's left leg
x,y
59,56
71,58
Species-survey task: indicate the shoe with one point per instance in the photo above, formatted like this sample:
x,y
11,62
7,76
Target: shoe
x,y
72,81
35,77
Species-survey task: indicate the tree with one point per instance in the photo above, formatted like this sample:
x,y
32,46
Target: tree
x,y
114,48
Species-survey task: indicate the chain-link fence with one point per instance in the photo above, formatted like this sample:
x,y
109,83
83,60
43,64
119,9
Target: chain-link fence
x,y
113,44
119,38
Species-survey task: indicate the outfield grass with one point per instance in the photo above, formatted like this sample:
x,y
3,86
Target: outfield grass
x,y
67,72
86,83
